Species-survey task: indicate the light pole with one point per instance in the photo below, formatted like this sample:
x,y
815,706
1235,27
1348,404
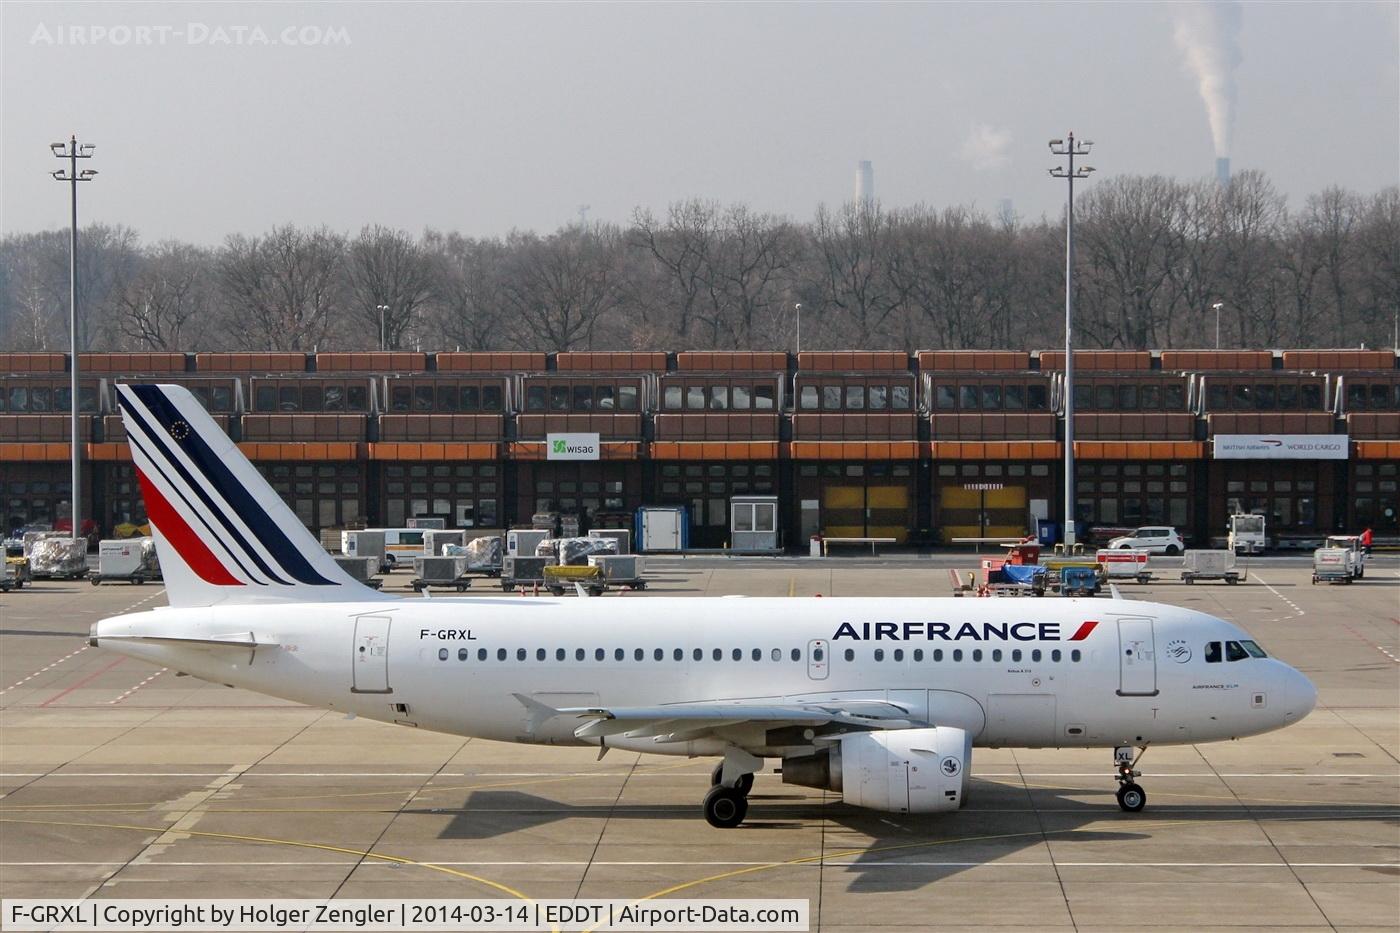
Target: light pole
x,y
383,334
1069,147
798,309
72,151
1217,306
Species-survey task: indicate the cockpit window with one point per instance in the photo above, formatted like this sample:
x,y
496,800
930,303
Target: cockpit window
x,y
1212,652
1254,650
1234,652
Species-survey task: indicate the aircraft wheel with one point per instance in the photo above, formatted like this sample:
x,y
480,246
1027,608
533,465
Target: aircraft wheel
x,y
1131,797
725,807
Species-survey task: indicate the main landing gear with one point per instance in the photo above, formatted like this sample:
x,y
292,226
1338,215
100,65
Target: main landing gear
x,y
726,807
1131,797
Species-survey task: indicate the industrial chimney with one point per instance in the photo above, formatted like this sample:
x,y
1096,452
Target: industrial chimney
x,y
1222,172
865,184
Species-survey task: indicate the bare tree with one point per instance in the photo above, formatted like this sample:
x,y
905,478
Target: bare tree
x,y
166,304
558,288
468,306
387,268
684,247
282,289
1128,246
854,255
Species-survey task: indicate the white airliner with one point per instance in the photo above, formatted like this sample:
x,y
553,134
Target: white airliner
x,y
880,699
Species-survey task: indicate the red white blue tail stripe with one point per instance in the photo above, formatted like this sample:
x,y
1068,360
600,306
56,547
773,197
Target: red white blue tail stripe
x,y
213,511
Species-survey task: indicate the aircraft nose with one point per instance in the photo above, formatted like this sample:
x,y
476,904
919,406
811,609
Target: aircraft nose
x,y
1300,694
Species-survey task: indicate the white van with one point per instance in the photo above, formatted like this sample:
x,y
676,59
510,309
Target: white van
x,y
401,545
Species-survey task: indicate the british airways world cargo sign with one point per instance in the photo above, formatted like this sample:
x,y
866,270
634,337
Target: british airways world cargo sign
x,y
572,446
1281,446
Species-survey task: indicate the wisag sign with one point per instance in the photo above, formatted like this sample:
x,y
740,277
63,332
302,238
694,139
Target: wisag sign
x,y
572,446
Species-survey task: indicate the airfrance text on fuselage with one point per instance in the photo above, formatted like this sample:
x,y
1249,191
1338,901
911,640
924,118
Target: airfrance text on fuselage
x,y
949,631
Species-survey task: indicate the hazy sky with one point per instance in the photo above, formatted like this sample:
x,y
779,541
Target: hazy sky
x,y
482,117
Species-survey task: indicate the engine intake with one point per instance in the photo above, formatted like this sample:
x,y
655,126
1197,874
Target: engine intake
x,y
895,770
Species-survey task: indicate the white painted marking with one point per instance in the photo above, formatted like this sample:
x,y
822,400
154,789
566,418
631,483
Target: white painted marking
x,y
1298,612
139,686
46,669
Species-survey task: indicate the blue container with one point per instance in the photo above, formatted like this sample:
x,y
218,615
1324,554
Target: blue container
x,y
1047,531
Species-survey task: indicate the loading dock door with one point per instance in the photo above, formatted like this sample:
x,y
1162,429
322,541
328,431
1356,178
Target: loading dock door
x,y
371,660
877,511
1137,658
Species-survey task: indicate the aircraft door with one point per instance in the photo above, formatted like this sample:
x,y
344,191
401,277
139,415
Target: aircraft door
x,y
818,658
1137,658
371,659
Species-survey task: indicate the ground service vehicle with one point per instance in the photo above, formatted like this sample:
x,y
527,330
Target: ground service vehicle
x,y
1334,565
1154,539
1246,534
881,699
1351,543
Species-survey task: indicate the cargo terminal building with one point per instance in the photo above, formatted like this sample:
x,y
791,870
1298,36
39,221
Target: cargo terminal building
x,y
921,448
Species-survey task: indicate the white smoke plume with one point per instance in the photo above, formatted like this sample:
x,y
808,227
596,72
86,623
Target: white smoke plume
x,y
1208,34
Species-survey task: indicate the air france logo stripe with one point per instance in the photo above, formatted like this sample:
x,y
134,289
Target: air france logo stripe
x,y
187,544
180,463
226,485
153,472
168,457
1083,631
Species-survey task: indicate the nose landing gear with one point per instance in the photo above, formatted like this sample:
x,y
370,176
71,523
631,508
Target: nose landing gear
x,y
1131,797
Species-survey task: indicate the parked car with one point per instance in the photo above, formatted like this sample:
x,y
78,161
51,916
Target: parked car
x,y
1155,539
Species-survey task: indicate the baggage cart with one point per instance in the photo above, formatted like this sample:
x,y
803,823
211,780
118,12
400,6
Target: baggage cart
x,y
54,558
1079,581
483,554
1054,565
558,579
442,572
7,578
1351,543
435,540
17,571
1211,565
523,541
132,560
623,537
367,543
623,570
1124,565
1333,565
362,569
1000,578
523,571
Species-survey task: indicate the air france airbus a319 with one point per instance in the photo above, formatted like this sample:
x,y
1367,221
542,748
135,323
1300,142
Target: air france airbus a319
x,y
882,700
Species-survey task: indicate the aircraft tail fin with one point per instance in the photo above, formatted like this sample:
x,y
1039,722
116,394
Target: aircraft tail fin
x,y
222,533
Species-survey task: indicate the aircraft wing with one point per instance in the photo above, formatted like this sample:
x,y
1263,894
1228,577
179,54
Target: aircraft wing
x,y
685,721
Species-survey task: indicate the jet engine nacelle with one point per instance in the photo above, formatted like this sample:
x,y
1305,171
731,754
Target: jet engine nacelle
x,y
896,770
